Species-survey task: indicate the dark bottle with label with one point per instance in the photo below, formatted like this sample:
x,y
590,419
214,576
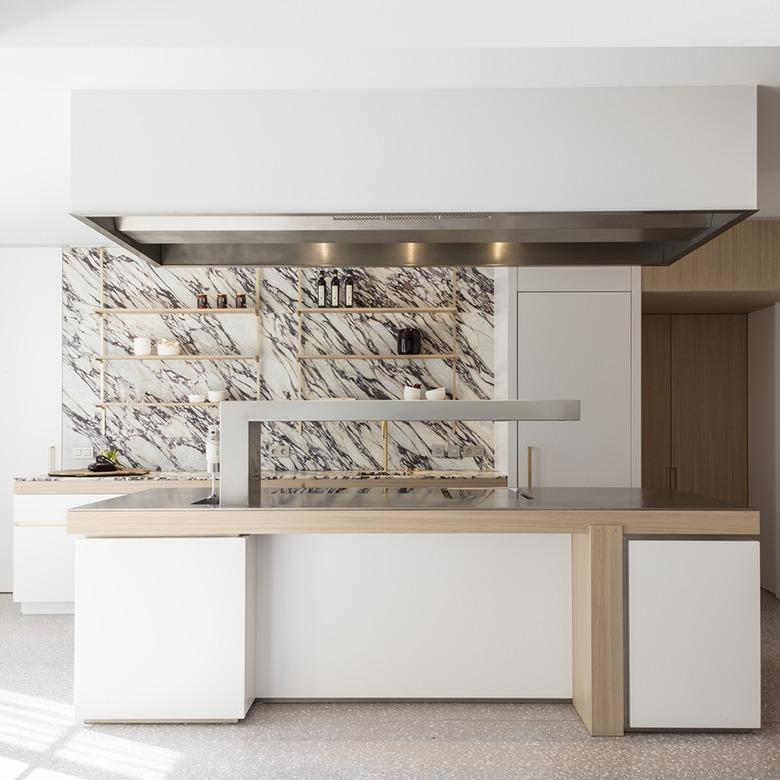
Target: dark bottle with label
x,y
334,290
322,291
349,291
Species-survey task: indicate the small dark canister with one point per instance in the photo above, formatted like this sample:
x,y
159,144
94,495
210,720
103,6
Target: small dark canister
x,y
222,301
203,301
240,300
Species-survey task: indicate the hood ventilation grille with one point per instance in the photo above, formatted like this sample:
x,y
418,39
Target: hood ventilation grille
x,y
650,238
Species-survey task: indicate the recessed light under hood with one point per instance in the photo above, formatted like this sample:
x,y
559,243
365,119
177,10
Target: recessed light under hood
x,y
417,239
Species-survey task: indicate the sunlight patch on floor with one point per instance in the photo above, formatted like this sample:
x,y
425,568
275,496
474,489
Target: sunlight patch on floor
x,y
49,728
121,756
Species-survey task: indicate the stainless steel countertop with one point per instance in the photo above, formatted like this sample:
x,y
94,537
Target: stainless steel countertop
x,y
419,498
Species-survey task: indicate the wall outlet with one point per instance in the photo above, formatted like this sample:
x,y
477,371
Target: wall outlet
x,y
280,451
438,451
453,450
473,451
83,453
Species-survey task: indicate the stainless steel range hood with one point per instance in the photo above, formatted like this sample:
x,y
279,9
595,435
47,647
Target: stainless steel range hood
x,y
409,239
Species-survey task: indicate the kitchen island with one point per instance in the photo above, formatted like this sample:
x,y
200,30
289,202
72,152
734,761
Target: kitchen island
x,y
639,606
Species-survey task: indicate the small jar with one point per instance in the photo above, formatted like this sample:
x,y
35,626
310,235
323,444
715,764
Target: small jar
x,y
203,301
241,300
222,301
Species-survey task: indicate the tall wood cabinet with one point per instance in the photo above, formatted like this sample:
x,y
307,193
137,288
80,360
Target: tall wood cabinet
x,y
694,404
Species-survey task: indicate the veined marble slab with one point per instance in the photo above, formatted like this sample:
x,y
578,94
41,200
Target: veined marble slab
x,y
171,439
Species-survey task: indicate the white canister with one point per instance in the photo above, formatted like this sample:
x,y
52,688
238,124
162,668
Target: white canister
x,y
142,345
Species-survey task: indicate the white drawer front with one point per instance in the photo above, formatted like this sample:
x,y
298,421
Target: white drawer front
x,y
48,510
43,563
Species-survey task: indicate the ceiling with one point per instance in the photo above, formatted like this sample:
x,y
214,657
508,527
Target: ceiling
x,y
50,47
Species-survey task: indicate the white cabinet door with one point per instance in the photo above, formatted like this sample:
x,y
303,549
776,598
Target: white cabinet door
x,y
694,634
576,345
30,394
163,629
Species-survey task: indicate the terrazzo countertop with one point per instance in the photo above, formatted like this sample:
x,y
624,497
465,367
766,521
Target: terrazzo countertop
x,y
175,476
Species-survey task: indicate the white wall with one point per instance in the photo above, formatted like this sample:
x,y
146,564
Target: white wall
x,y
30,392
421,150
764,434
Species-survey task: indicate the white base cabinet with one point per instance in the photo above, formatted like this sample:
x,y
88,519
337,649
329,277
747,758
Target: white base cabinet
x,y
165,629
44,551
694,654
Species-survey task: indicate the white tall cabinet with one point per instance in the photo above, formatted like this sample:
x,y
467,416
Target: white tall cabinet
x,y
572,333
30,393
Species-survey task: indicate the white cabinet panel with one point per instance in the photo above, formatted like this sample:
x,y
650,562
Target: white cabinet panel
x,y
576,345
160,629
414,616
574,279
43,563
694,634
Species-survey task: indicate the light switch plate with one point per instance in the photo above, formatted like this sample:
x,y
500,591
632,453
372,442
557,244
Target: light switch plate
x,y
453,450
473,451
438,451
83,453
280,451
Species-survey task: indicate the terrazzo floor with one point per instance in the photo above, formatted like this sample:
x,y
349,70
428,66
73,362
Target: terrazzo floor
x,y
39,740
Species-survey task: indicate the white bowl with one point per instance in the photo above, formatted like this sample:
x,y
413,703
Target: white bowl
x,y
168,348
437,394
142,346
196,399
412,393
218,395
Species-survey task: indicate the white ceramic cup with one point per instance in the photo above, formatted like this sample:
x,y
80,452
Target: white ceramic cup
x,y
217,395
142,345
412,393
437,394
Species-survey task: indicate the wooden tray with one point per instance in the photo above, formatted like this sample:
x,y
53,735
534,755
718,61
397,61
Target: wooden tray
x,y
87,473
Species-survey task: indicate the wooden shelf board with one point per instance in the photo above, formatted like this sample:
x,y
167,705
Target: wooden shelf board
x,y
110,358
176,404
171,310
380,310
425,356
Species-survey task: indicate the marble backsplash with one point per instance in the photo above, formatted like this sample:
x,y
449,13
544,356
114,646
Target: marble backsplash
x,y
171,438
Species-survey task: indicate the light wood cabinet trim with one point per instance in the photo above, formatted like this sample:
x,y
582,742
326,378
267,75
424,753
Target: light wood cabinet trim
x,y
582,678
744,258
597,629
237,522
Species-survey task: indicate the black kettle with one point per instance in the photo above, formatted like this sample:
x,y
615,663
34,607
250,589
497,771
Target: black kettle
x,y
409,341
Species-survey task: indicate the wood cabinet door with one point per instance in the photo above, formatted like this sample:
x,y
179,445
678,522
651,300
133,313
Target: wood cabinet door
x,y
656,401
709,405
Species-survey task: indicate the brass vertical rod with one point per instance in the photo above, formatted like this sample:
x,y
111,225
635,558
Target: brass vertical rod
x,y
530,451
299,320
101,257
258,333
385,447
454,336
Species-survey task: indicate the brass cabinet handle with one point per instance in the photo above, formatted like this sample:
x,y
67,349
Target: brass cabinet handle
x,y
672,479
